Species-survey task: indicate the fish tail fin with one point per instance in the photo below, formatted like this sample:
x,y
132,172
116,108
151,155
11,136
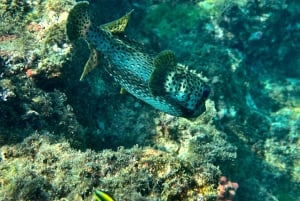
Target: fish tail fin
x,y
78,21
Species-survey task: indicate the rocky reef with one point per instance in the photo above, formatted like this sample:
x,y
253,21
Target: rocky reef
x,y
61,138
58,172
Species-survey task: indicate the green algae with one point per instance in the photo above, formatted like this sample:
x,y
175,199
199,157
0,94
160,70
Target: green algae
x,y
54,171
217,8
287,192
169,20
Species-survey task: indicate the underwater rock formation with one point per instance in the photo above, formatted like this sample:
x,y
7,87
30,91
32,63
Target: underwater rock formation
x,y
249,54
54,171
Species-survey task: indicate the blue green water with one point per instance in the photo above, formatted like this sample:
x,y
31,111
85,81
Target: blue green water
x,y
247,52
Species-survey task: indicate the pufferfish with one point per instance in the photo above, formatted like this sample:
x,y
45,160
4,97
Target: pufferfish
x,y
157,80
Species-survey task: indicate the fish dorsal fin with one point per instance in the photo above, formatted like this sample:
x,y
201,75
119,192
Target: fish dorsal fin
x,y
118,25
91,63
164,63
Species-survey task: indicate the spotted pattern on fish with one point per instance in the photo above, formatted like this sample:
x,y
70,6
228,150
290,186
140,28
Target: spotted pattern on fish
x,y
159,81
181,85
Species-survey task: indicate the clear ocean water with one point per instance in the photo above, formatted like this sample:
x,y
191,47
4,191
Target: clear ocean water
x,y
131,128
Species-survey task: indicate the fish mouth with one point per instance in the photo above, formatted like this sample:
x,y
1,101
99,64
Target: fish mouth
x,y
200,107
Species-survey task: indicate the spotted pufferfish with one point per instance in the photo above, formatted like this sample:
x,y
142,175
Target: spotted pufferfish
x,y
157,80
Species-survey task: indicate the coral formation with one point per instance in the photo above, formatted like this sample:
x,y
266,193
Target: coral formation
x,y
57,172
226,189
248,52
34,52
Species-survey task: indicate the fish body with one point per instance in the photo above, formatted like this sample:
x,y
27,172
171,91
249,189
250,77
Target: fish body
x,y
159,81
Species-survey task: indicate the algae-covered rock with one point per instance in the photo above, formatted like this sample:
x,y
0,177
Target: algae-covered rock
x,y
54,171
247,52
34,53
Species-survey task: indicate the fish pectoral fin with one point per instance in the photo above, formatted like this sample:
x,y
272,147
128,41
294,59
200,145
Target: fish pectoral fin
x,y
117,26
165,59
164,63
91,63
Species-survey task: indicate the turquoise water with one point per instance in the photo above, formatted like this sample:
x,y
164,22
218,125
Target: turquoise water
x,y
62,138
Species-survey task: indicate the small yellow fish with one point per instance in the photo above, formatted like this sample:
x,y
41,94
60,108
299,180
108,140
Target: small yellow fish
x,y
102,196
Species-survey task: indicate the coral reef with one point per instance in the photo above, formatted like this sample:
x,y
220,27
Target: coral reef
x,y
61,139
248,51
34,53
57,172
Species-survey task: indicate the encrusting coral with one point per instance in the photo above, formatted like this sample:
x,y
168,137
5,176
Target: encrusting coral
x,y
41,168
247,51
